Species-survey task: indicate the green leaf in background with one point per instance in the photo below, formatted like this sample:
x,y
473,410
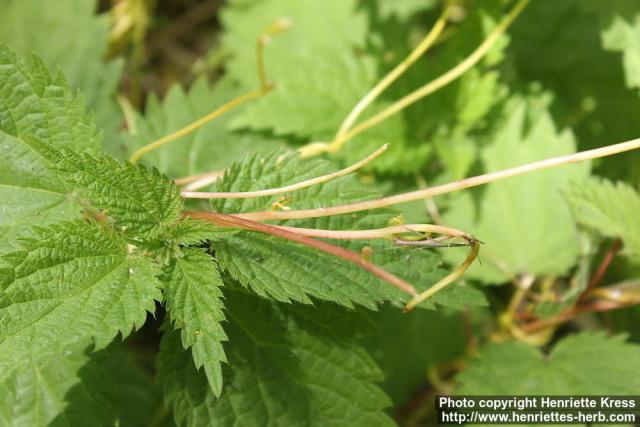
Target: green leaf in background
x,y
589,363
69,283
285,271
193,297
525,222
610,208
623,35
288,365
567,294
403,9
134,394
406,153
260,331
406,345
456,112
567,39
37,396
626,321
314,65
36,104
77,389
211,147
68,34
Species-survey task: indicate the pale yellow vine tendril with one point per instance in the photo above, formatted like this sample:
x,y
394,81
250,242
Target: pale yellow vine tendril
x,y
627,292
129,113
523,284
278,27
393,75
200,180
434,242
265,87
305,236
317,148
288,188
377,233
445,188
429,204
448,279
195,125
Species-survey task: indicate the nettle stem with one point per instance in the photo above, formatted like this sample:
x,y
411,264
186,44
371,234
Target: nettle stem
x,y
445,188
288,188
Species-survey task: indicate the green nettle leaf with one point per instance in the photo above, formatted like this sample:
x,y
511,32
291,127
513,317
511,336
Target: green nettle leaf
x,y
513,216
610,208
623,35
37,396
567,37
401,342
256,330
212,147
68,34
285,271
78,389
626,321
317,75
189,231
403,9
143,202
69,283
581,364
288,365
193,297
134,394
408,149
36,105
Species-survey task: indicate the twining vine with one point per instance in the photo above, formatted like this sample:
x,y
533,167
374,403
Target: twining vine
x,y
405,234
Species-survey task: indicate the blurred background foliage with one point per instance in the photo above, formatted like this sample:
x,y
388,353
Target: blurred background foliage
x,y
565,77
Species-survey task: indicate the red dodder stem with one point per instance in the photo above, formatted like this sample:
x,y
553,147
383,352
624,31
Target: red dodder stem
x,y
232,221
571,313
602,269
